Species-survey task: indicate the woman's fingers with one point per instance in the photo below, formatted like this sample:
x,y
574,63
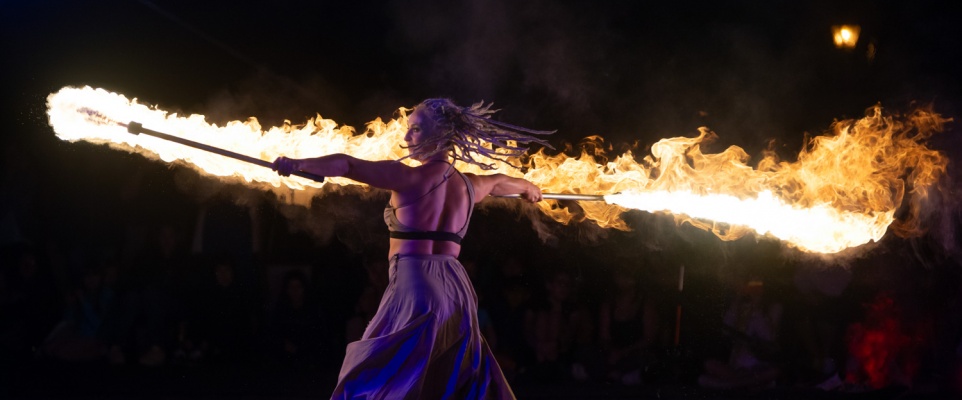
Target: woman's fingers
x,y
284,166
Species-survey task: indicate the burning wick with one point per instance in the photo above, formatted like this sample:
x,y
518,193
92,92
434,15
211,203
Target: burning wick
x,y
98,117
137,128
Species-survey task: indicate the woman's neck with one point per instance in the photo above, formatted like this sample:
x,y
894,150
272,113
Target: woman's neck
x,y
443,159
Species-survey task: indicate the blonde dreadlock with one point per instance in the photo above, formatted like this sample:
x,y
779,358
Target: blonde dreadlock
x,y
463,132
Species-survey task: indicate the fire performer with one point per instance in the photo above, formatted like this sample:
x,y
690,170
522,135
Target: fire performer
x,y
424,341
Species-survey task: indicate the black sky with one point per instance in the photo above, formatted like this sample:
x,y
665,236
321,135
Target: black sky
x,y
626,70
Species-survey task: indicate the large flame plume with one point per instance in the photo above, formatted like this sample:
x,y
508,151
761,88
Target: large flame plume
x,y
844,189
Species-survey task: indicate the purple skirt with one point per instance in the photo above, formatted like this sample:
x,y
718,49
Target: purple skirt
x,y
424,341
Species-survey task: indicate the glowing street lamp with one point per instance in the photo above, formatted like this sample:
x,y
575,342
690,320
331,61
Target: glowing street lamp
x,y
845,36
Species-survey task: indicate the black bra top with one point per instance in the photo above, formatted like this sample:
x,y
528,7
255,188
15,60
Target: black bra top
x,y
398,230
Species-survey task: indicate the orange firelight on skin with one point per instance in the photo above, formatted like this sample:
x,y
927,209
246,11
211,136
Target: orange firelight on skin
x,y
845,36
842,190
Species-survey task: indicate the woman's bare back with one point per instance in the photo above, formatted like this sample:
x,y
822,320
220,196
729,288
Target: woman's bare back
x,y
439,202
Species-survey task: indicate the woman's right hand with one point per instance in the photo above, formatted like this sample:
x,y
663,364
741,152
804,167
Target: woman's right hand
x,y
285,166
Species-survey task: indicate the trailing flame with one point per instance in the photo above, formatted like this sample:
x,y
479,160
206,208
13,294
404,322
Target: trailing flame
x,y
843,191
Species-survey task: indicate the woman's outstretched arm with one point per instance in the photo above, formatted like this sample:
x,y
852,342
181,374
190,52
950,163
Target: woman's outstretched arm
x,y
390,175
500,184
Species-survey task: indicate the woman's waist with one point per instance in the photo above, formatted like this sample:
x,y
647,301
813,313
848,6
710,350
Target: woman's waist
x,y
418,256
423,248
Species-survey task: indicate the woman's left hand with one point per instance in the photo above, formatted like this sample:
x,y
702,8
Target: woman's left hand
x,y
531,193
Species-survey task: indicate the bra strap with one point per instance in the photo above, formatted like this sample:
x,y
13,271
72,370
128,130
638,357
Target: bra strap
x,y
431,190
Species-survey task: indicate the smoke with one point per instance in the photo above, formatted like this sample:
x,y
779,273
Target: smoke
x,y
634,71
273,99
625,71
533,58
349,214
940,216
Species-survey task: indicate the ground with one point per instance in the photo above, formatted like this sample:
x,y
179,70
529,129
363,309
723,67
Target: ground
x,y
172,382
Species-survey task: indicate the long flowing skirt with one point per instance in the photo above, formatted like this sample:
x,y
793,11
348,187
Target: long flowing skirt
x,y
423,342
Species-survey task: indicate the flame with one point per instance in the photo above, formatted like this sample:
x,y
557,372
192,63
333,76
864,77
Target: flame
x,y
845,36
843,190
317,137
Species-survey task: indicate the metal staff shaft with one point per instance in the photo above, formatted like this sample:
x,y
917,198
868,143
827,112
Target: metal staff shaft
x,y
138,128
562,196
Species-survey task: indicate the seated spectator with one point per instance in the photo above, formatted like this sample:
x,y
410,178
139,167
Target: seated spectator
x,y
558,329
376,269
818,320
363,312
79,337
225,324
627,328
30,304
752,324
151,313
295,331
485,323
509,295
508,310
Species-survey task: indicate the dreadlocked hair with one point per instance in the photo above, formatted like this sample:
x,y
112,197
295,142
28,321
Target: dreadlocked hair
x,y
469,132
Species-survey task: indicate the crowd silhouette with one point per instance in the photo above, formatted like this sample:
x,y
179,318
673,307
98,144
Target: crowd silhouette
x,y
155,293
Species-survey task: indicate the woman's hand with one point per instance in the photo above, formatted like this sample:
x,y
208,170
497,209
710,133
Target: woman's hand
x,y
285,166
503,185
531,193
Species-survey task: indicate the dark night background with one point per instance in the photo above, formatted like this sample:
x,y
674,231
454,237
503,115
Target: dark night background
x,y
630,71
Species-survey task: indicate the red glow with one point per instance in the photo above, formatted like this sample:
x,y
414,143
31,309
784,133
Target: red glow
x,y
885,348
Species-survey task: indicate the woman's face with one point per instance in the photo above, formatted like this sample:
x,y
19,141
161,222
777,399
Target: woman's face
x,y
419,128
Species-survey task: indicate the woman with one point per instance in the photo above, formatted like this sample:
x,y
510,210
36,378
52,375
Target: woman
x,y
424,342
